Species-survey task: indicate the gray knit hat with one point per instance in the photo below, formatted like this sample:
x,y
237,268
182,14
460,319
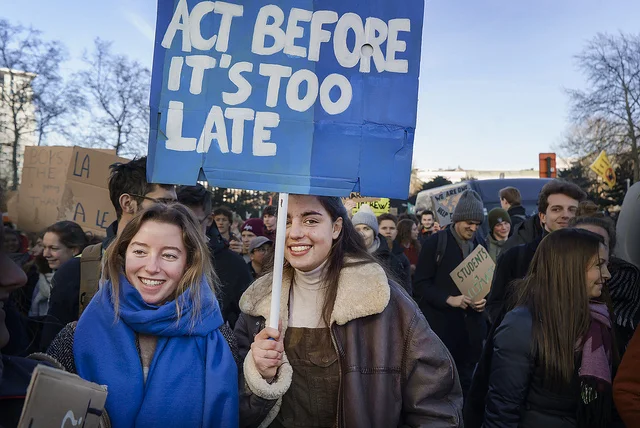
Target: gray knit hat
x,y
366,216
469,208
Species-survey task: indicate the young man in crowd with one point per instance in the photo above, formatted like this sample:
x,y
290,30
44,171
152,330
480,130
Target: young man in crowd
x,y
557,204
499,227
428,225
453,316
258,251
250,229
129,192
223,217
233,273
270,220
511,200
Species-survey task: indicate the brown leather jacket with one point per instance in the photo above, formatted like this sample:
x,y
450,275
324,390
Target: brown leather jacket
x,y
394,370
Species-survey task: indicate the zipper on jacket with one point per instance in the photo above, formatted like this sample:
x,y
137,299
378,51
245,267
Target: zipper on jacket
x,y
334,341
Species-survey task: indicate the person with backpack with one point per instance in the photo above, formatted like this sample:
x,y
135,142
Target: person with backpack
x,y
511,201
453,316
76,281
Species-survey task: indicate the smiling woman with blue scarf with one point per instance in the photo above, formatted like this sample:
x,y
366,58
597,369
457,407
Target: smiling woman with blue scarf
x,y
153,333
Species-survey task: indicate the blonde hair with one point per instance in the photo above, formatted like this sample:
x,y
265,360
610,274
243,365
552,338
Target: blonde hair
x,y
198,264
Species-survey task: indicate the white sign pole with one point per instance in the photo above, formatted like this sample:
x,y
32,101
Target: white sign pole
x,y
278,260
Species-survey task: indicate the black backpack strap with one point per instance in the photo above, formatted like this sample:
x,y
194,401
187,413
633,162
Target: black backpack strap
x,y
441,246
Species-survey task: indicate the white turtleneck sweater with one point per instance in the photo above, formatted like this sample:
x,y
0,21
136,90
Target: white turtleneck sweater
x,y
306,299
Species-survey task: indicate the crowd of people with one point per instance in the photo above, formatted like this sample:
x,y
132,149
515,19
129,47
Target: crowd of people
x,y
169,310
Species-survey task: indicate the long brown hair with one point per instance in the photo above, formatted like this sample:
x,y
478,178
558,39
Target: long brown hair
x,y
198,257
555,293
404,234
348,244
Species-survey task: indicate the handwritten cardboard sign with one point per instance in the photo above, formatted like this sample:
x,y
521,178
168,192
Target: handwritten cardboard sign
x,y
378,206
445,202
473,276
66,183
59,399
286,96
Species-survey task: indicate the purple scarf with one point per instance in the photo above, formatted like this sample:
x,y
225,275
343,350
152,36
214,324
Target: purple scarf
x,y
597,348
596,404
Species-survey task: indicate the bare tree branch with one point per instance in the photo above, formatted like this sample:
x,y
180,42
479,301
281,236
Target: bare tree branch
x,y
607,114
117,92
33,99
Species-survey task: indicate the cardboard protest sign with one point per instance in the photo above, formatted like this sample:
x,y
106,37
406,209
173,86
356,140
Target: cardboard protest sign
x,y
59,399
473,276
286,96
66,183
445,202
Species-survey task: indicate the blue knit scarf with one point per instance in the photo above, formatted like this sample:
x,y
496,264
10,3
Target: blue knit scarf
x,y
192,379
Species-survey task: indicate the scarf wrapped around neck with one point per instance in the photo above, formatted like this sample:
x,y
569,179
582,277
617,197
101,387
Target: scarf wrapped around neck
x,y
596,404
192,378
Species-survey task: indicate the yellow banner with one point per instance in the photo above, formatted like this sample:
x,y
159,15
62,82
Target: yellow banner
x,y
378,205
604,169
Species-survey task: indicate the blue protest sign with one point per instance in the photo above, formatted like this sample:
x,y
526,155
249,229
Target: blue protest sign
x,y
297,96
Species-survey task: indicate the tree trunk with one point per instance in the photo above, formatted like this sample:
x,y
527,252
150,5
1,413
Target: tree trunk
x,y
632,136
14,157
119,142
636,159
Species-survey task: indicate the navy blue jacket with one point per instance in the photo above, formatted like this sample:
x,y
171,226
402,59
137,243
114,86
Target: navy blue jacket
x,y
516,397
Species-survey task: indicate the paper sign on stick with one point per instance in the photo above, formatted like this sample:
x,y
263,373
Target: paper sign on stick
x,y
307,97
473,276
602,167
59,399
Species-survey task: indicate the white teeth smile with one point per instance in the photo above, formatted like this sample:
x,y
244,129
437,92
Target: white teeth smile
x,y
300,248
151,282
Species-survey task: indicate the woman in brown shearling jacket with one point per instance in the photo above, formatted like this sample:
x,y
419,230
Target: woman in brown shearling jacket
x,y
354,350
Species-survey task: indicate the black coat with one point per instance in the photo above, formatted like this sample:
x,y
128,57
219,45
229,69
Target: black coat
x,y
233,272
396,262
516,396
512,264
518,215
462,331
525,232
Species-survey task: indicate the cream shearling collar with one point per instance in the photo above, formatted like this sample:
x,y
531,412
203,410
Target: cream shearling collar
x,y
363,290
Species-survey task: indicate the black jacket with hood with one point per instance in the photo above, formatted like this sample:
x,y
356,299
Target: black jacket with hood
x,y
518,215
525,232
